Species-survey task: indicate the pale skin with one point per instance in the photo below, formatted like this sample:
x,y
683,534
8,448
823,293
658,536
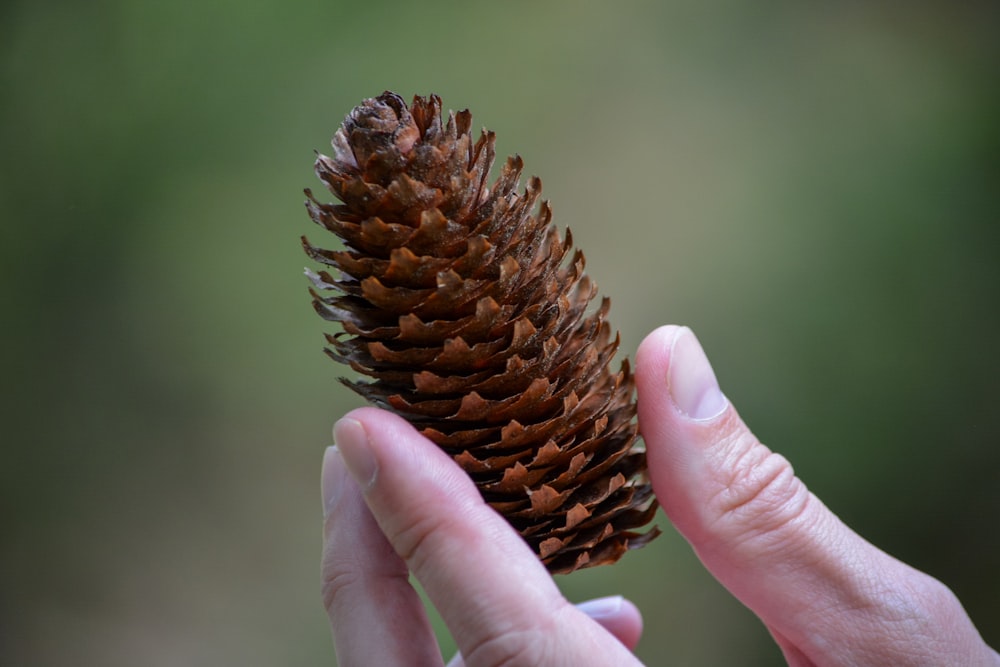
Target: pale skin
x,y
396,505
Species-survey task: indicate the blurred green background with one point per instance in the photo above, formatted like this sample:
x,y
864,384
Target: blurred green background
x,y
813,187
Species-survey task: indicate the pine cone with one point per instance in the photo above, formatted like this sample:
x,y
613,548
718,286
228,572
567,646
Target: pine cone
x,y
464,307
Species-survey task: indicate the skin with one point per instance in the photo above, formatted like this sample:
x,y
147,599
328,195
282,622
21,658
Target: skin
x,y
395,505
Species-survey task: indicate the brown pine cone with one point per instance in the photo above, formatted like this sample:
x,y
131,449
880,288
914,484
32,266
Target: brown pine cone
x,y
465,309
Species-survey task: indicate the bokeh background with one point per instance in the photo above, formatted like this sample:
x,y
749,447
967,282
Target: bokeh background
x,y
813,187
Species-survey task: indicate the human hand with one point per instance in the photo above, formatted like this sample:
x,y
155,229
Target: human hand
x,y
827,596
424,516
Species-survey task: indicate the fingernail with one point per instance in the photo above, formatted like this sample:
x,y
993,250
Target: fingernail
x,y
602,607
691,381
333,478
352,441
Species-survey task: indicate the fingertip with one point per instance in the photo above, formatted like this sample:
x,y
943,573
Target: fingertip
x,y
679,407
652,361
394,444
654,350
672,358
618,616
354,445
371,419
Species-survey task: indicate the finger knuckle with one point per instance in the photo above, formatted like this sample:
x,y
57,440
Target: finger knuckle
x,y
516,647
758,490
336,580
345,581
413,540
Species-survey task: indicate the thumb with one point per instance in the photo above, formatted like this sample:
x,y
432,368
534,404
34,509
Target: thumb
x,y
823,591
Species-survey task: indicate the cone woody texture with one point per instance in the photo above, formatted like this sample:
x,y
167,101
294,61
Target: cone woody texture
x,y
470,317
